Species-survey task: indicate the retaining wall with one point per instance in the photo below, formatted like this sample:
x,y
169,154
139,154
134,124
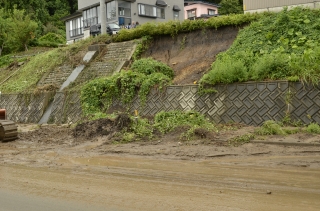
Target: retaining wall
x,y
251,103
25,108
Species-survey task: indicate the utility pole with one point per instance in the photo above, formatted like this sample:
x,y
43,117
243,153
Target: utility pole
x,y
103,13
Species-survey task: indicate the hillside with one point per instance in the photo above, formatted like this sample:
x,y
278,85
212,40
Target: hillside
x,y
275,46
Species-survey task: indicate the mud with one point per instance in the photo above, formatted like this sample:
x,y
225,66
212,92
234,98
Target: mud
x,y
165,173
191,54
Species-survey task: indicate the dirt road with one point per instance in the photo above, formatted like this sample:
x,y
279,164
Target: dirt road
x,y
163,175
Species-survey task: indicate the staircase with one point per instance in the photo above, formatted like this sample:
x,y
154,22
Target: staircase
x,y
116,57
56,77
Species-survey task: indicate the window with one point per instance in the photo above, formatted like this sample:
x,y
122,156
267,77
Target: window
x,y
76,27
175,15
160,13
191,13
124,9
124,12
211,12
147,10
151,11
111,11
90,16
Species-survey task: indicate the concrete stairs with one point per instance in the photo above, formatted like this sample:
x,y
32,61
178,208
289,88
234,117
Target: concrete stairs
x,y
56,77
117,56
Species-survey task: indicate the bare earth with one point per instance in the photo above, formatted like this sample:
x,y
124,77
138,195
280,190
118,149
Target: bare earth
x,y
164,174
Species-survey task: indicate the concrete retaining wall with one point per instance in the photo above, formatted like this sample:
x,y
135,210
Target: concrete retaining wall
x,y
251,103
25,108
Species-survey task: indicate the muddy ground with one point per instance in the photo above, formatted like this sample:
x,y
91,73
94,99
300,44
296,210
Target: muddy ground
x,y
273,173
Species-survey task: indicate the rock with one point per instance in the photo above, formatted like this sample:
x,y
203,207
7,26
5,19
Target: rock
x,y
269,192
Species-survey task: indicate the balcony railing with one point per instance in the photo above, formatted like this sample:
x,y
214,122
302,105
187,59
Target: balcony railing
x,y
76,32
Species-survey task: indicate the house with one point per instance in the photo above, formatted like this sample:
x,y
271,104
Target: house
x,y
199,9
122,12
276,5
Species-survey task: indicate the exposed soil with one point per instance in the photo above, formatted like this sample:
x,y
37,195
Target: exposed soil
x,y
191,54
84,165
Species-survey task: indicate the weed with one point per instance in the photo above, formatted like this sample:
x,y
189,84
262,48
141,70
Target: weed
x,y
98,94
168,121
240,140
278,46
313,128
183,42
142,46
270,127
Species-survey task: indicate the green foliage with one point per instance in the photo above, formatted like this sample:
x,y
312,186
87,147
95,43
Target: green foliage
x,y
22,29
5,60
240,140
4,31
313,128
142,46
51,40
98,94
148,66
168,121
141,127
174,27
270,127
230,7
270,66
280,45
237,72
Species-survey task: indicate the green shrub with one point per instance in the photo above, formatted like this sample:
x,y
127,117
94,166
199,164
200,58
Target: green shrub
x,y
148,66
51,38
270,127
226,70
277,46
313,128
174,27
271,66
98,94
141,127
167,121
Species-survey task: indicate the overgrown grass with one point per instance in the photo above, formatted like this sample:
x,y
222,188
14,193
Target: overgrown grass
x,y
168,121
313,128
141,128
175,27
278,46
28,75
240,140
270,127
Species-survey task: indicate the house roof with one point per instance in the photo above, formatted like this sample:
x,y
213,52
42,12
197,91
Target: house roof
x,y
73,15
200,2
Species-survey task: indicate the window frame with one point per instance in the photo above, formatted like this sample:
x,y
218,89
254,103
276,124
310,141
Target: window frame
x,y
191,10
88,16
158,12
174,15
76,27
209,10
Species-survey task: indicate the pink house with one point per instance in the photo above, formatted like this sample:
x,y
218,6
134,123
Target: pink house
x,y
199,9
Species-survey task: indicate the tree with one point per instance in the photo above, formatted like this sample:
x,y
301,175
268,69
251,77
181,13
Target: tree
x,y
22,29
4,29
231,7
